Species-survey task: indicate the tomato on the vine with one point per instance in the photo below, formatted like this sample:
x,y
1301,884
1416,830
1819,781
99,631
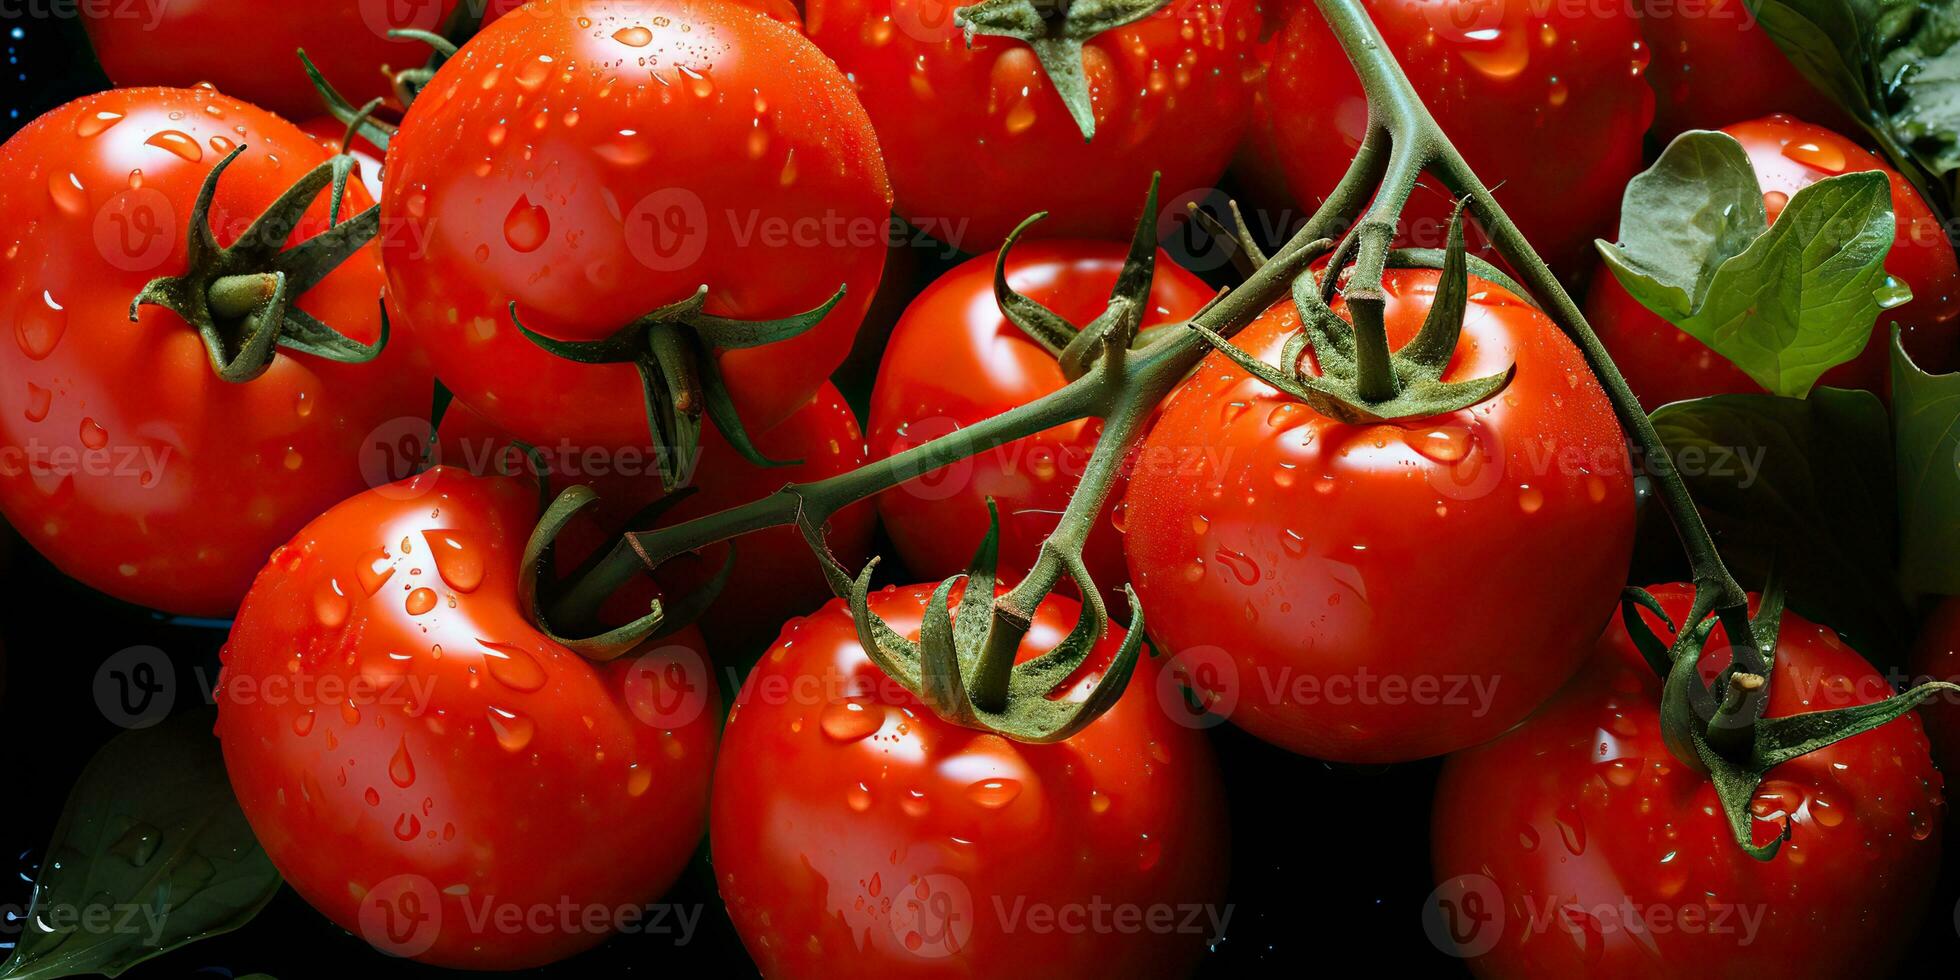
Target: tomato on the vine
x,y
245,47
1715,65
774,576
1545,101
594,160
130,463
856,833
1663,363
1578,845
418,759
954,360
1383,592
977,137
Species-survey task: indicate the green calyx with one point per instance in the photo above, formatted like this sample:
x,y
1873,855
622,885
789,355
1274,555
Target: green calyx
x,y
463,23
539,586
1720,728
240,297
958,670
673,349
1056,30
1115,328
360,120
1360,380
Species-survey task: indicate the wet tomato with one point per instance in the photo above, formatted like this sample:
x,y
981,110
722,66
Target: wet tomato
x,y
1545,101
1664,364
1578,845
594,160
977,138
954,360
129,462
1376,593
855,833
419,761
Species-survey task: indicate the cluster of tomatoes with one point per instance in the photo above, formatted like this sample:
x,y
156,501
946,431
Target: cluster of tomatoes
x,y
625,232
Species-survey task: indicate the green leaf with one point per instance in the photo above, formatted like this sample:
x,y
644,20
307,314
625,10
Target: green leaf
x,y
151,853
1893,65
1926,424
1811,480
1785,302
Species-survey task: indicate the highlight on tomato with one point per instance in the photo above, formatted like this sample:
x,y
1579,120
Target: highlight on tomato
x,y
196,362
422,762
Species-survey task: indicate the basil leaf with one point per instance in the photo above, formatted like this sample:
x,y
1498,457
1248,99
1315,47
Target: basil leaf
x,y
1809,481
1926,423
151,853
1786,301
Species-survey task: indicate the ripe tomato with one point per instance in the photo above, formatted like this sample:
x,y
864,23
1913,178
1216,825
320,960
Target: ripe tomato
x,y
1936,655
129,462
1590,850
1545,101
954,360
1714,65
245,47
577,161
977,139
855,833
418,759
1377,593
775,576
1664,363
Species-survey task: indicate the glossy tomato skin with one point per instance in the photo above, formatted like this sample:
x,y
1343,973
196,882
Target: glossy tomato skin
x,y
1936,656
977,139
245,47
1663,363
1582,814
775,575
954,360
194,479
586,174
409,748
1714,65
855,833
1544,101
1379,593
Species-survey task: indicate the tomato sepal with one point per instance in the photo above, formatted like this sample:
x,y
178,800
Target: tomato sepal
x,y
535,568
1057,36
375,131
240,297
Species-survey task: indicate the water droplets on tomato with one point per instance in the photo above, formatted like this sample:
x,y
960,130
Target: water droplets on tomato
x,y
38,327
458,561
374,569
527,225
994,794
513,730
179,144
513,666
850,721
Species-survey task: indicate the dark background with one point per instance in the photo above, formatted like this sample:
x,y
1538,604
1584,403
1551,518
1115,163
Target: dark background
x,y
1330,863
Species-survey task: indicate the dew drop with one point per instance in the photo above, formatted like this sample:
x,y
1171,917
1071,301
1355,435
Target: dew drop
x,y
513,666
39,326
93,435
407,827
373,569
94,123
66,190
177,143
39,400
458,562
993,794
633,37
330,604
420,601
526,226
849,721
401,768
513,730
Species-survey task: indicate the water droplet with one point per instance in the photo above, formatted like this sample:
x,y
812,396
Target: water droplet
x,y
1530,499
532,73
994,794
849,721
1242,566
93,435
513,667
372,796
420,601
407,827
330,605
94,123
526,226
138,844
401,768
373,569
178,143
458,562
633,37
39,400
513,730
39,326
637,780
1824,156
293,459
303,723
1528,838
67,192
858,797
1571,828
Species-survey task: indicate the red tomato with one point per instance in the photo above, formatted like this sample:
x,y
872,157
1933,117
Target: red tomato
x,y
977,139
129,463
856,834
418,759
1568,828
1665,364
775,575
1377,593
1545,101
954,360
586,173
1714,65
1936,655
245,47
